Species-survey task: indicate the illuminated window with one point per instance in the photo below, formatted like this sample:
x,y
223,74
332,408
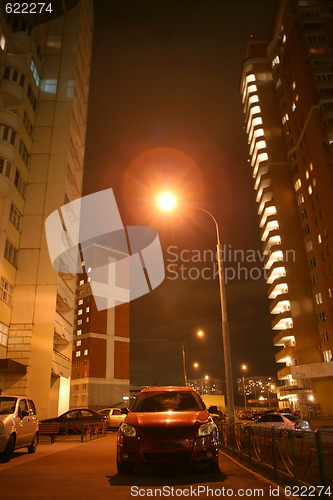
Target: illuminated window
x,y
78,332
310,190
307,175
319,238
85,352
78,354
298,184
79,322
81,282
87,309
311,166
49,85
80,302
34,72
79,312
78,343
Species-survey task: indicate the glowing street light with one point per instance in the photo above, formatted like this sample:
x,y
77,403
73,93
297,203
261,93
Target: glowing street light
x,y
167,201
199,334
244,368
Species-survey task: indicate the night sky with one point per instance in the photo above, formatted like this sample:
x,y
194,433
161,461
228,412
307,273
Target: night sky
x,y
165,112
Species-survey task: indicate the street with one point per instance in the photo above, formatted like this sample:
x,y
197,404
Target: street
x,y
72,469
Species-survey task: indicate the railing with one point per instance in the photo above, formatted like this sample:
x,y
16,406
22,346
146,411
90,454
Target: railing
x,y
289,456
81,431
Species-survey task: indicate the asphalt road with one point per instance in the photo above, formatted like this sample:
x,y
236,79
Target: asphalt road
x,y
88,470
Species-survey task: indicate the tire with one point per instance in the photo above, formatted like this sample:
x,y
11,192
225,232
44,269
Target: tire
x,y
33,446
124,468
8,453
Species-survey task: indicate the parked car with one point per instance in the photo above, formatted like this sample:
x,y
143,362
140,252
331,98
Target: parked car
x,y
283,422
74,421
114,417
167,425
18,425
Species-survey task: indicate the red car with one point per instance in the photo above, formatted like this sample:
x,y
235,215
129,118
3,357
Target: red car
x,y
167,425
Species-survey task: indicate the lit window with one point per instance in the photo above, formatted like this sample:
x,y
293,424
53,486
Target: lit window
x,y
310,190
87,319
81,282
49,85
78,354
78,343
85,352
311,166
314,182
307,175
79,312
79,322
34,72
298,184
87,309
294,85
80,302
319,238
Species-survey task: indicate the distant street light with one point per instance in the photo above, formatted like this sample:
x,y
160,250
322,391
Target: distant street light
x,y
167,202
244,368
199,334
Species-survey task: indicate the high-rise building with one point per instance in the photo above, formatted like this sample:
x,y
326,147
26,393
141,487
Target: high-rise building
x,y
44,70
287,92
100,363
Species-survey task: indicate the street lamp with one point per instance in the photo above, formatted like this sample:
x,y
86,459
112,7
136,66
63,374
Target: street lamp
x,y
199,334
244,368
167,201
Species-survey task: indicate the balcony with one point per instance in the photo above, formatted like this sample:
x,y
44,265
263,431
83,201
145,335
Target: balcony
x,y
285,355
278,287
63,329
61,364
284,337
276,272
273,240
284,373
280,304
283,321
271,224
11,93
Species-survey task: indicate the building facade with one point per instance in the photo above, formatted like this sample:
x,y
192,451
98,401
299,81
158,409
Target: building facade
x,y
45,71
100,363
287,93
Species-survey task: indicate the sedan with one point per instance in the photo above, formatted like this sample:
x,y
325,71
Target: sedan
x,y
167,425
114,417
74,421
283,422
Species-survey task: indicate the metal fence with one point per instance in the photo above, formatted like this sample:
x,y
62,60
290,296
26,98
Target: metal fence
x,y
291,457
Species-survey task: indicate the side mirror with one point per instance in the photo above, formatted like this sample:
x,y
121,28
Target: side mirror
x,y
124,411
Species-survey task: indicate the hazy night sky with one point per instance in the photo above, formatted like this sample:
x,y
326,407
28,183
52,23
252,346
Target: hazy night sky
x,y
165,110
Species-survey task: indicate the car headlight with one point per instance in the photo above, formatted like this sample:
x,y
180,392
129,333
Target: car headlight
x,y
206,429
128,430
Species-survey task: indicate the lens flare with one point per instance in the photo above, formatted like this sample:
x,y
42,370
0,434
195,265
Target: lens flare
x,y
167,201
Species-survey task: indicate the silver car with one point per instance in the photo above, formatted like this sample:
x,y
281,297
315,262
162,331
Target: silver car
x,y
18,425
282,422
114,417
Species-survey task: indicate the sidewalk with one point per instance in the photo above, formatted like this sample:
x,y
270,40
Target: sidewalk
x,y
70,470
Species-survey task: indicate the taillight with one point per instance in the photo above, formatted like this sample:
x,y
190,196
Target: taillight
x,y
296,425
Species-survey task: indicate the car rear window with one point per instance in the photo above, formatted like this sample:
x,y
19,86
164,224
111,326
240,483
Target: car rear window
x,y
7,405
167,401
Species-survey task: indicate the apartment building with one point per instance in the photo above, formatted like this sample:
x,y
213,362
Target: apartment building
x,y
287,93
44,84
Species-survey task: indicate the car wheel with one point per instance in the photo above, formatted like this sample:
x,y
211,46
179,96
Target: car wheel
x,y
285,434
123,468
33,446
8,453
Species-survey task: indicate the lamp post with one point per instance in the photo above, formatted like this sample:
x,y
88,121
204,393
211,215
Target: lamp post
x,y
244,367
199,333
168,202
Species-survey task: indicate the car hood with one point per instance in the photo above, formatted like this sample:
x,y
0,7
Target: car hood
x,y
171,419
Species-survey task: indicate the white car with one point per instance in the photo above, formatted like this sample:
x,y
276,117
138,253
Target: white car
x,y
283,422
18,425
115,417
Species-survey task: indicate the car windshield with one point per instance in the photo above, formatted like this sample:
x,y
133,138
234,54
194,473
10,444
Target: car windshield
x,y
167,401
7,405
293,418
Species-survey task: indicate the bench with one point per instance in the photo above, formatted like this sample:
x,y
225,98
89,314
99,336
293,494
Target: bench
x,y
48,429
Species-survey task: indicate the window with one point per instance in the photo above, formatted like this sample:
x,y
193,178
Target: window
x,y
13,75
5,167
24,153
80,302
78,354
32,98
85,352
11,253
322,317
4,329
87,309
6,291
27,123
78,332
19,182
7,133
78,343
15,217
79,312
49,86
34,72
327,356
298,184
